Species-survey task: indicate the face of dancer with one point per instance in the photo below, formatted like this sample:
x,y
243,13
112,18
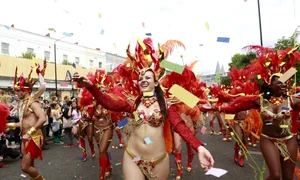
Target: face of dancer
x,y
146,82
17,98
21,94
103,89
278,88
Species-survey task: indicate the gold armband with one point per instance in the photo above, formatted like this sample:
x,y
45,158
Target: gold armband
x,y
11,126
31,131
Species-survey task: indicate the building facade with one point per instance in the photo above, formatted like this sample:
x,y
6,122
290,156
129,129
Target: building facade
x,y
113,60
15,42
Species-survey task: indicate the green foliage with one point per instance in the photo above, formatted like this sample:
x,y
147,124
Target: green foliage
x,y
239,61
28,55
284,43
225,80
242,60
65,62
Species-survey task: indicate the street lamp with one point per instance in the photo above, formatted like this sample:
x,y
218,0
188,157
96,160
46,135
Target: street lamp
x,y
55,67
259,19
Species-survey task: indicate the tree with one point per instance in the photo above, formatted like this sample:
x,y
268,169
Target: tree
x,y
239,61
28,55
242,60
225,80
65,62
284,43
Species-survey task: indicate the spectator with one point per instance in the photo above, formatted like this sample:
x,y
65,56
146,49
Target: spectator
x,y
56,116
67,123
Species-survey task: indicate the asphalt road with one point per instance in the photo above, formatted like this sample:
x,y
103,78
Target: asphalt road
x,y
64,163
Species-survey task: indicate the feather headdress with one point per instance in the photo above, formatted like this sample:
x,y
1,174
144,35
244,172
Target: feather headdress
x,y
272,63
146,58
23,84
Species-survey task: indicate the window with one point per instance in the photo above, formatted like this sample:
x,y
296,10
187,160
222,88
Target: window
x,y
109,67
4,48
100,64
65,57
91,63
47,55
30,50
77,60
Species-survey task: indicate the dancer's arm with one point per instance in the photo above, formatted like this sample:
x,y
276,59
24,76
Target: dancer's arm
x,y
241,104
205,158
41,89
182,129
108,100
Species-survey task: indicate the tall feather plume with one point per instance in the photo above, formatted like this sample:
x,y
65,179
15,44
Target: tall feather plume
x,y
169,46
192,64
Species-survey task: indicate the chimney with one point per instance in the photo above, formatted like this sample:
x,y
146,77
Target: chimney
x,y
48,35
12,26
76,43
98,49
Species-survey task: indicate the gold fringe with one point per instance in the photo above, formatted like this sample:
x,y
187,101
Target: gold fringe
x,y
281,146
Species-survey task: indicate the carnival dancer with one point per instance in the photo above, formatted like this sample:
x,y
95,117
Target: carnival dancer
x,y
279,111
86,123
32,119
219,97
103,125
216,115
190,116
146,145
241,81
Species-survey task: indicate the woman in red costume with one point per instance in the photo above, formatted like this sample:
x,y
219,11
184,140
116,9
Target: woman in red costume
x,y
220,96
190,116
86,123
279,111
103,127
216,114
242,85
145,156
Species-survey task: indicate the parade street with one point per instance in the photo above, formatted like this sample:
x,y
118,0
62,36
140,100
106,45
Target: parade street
x,y
62,163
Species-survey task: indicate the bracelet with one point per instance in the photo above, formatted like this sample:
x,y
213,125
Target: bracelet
x,y
200,148
31,131
11,126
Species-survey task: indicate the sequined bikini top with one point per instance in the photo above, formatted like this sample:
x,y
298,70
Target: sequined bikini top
x,y
268,115
154,120
284,116
100,111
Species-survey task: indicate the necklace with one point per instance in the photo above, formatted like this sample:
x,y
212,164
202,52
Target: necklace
x,y
148,101
277,101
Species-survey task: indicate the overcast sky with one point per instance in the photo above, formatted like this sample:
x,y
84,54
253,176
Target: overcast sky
x,y
182,20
